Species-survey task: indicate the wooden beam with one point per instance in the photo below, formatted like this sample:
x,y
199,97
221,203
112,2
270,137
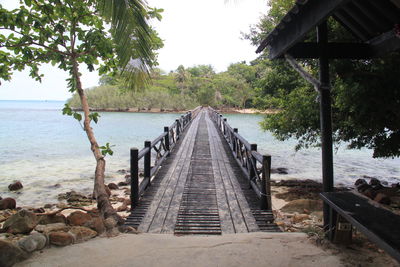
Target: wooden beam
x,y
385,43
334,50
311,14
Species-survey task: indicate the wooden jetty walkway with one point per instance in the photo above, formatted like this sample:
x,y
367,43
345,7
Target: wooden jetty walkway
x,y
198,187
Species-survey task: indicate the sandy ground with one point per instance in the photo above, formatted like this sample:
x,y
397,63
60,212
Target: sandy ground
x,y
254,249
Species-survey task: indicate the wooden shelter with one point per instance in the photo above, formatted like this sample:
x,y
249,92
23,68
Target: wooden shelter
x,y
375,24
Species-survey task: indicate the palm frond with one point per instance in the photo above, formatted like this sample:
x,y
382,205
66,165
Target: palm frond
x,y
132,35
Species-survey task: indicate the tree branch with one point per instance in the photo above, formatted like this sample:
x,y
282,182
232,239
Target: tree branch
x,y
303,73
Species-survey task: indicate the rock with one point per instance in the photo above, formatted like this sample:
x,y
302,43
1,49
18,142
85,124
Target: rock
x,y
122,184
375,183
10,254
110,223
96,224
48,206
112,186
128,229
360,182
279,170
53,227
299,205
51,218
78,218
15,186
7,203
22,222
370,193
1,198
73,196
300,217
123,207
128,178
127,201
35,241
61,238
122,171
39,210
382,198
82,233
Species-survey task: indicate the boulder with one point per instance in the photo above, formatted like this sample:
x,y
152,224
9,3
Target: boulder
x,y
53,227
122,184
382,198
128,178
61,238
15,186
297,218
72,197
113,186
78,218
299,205
35,241
96,224
81,233
128,229
51,218
10,254
7,203
22,222
123,207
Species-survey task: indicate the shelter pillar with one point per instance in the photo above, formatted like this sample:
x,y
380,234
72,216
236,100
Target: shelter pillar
x,y
325,115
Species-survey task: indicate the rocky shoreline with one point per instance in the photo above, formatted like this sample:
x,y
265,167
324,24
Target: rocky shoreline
x,y
75,219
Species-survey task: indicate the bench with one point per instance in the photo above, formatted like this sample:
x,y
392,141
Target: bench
x,y
380,225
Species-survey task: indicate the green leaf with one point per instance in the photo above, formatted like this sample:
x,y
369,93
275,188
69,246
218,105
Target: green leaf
x,y
28,2
78,116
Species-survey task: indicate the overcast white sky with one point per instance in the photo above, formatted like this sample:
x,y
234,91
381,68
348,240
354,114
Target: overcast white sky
x,y
194,32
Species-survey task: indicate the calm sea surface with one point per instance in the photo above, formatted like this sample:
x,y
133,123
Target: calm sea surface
x,y
41,148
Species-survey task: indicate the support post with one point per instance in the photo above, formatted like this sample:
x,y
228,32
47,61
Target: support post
x,y
147,161
177,128
325,116
234,145
134,177
223,126
166,138
252,163
265,200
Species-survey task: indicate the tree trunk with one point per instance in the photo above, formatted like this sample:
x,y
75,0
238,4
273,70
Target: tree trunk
x,y
110,216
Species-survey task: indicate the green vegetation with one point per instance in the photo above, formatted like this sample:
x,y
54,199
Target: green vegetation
x,y
69,34
365,94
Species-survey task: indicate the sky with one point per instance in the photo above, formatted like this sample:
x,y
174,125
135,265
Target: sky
x,y
194,32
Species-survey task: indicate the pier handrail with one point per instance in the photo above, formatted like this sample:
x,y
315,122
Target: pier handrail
x,y
255,166
160,147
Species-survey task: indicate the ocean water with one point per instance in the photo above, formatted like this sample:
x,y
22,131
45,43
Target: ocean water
x,y
50,154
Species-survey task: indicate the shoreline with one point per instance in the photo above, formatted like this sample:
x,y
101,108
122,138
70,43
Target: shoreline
x,y
173,111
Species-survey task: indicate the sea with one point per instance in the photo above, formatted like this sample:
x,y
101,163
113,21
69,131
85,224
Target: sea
x,y
50,154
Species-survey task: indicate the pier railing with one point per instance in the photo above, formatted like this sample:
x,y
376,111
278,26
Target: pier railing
x,y
154,153
255,166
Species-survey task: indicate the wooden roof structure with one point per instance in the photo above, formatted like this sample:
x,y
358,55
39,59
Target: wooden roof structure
x,y
375,25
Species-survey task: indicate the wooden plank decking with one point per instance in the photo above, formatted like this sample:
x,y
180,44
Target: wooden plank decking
x,y
199,190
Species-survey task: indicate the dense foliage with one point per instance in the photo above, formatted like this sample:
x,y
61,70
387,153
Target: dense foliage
x,y
365,94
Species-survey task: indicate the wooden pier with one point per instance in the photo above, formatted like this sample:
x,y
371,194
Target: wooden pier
x,y
198,186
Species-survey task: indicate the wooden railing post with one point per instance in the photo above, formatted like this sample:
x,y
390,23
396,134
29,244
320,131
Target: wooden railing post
x,y
265,201
166,138
177,128
252,163
234,145
224,128
134,177
183,122
147,161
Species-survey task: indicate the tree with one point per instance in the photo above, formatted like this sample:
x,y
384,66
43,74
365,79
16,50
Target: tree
x,y
68,34
365,94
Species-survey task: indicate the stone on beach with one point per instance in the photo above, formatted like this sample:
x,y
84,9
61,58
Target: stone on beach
x,y
122,184
51,218
15,186
10,254
81,233
78,218
35,241
7,203
61,238
22,222
113,186
53,227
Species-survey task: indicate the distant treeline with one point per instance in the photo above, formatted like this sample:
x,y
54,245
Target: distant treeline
x,y
182,89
